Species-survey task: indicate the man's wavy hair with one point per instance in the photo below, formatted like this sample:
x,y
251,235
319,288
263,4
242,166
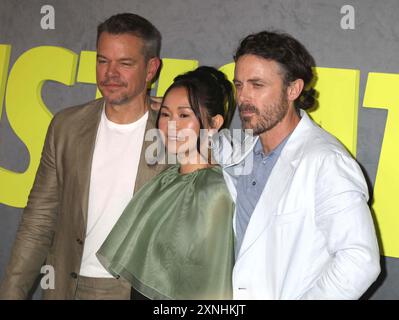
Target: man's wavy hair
x,y
294,60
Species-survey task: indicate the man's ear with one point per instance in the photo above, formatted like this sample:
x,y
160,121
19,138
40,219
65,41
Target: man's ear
x,y
294,89
152,68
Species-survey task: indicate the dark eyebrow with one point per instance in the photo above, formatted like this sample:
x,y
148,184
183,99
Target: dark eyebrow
x,y
250,80
120,60
255,80
127,59
180,107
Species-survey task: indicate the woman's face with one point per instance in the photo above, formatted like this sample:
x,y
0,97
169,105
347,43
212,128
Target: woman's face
x,y
178,123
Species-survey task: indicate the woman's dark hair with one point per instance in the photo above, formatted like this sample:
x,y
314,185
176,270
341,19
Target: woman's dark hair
x,y
209,89
136,25
294,60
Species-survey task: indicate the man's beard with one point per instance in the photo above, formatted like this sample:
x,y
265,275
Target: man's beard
x,y
119,100
266,118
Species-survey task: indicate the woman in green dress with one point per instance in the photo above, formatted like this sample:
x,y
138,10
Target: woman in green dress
x,y
175,238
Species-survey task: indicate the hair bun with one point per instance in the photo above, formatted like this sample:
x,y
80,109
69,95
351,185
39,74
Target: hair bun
x,y
307,99
220,89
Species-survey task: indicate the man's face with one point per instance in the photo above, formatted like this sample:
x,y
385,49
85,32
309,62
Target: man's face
x,y
122,72
261,93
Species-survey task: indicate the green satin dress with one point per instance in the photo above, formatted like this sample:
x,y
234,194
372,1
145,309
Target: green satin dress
x,y
175,238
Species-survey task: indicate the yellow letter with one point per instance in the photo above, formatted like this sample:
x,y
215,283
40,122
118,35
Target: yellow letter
x,y
170,69
338,101
382,92
228,70
5,51
27,113
87,69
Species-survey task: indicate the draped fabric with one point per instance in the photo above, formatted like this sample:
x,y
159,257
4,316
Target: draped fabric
x,y
175,238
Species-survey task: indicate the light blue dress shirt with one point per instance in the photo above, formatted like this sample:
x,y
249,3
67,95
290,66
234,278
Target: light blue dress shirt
x,y
250,187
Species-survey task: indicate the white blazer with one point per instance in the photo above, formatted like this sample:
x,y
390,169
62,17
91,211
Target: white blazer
x,y
311,235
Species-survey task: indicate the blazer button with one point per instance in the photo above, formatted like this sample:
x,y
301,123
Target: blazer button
x,y
74,275
79,241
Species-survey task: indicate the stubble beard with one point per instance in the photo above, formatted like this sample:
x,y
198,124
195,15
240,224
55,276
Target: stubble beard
x,y
118,101
121,99
265,119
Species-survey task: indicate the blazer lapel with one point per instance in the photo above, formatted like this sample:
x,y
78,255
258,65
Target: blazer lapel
x,y
85,149
279,180
146,171
268,202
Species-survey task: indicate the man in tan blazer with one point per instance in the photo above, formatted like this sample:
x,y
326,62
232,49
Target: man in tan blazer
x,y
93,158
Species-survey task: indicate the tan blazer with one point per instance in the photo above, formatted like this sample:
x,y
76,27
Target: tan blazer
x,y
53,226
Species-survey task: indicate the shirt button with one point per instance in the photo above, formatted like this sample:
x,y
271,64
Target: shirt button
x,y
74,275
253,183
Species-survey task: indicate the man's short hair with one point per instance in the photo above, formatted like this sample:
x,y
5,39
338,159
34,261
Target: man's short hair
x,y
294,60
136,25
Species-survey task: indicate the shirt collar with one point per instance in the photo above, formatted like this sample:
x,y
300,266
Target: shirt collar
x,y
258,149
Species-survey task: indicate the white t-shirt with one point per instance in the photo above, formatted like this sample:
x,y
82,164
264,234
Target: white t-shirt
x,y
113,176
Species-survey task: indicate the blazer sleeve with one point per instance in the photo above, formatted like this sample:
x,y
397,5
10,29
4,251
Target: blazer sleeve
x,y
35,233
343,216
